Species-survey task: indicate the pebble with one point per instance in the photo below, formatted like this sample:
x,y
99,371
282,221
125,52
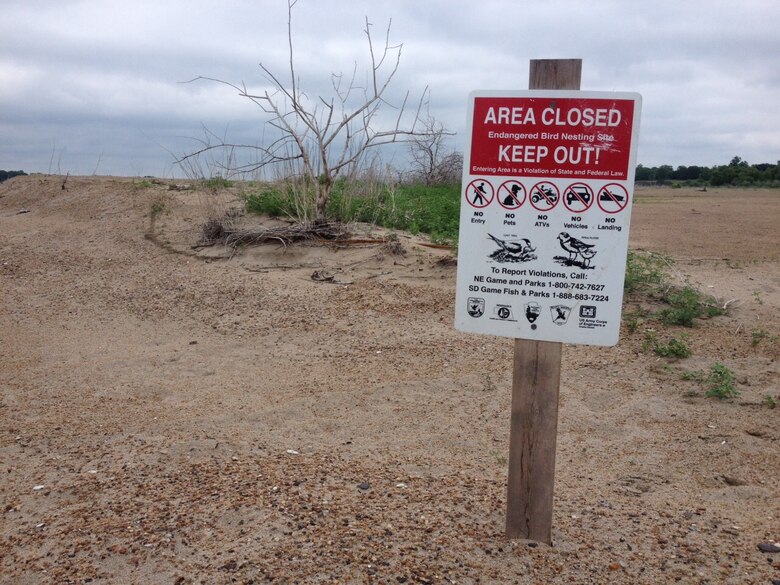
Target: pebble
x,y
768,547
38,488
364,486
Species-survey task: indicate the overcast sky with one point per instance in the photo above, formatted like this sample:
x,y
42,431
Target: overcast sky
x,y
94,86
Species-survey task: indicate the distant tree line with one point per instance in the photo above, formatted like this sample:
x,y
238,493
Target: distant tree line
x,y
737,172
10,174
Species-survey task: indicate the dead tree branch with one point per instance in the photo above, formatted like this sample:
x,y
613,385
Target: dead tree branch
x,y
325,136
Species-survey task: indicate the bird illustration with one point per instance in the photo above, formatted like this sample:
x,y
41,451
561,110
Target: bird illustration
x,y
513,251
576,248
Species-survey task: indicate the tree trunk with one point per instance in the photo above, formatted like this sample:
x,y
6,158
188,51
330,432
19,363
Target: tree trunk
x,y
323,196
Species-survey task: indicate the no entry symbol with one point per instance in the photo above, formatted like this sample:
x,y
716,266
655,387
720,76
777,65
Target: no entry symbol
x,y
613,198
479,193
511,195
578,197
544,196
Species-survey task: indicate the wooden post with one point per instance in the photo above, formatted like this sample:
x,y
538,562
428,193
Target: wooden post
x,y
535,382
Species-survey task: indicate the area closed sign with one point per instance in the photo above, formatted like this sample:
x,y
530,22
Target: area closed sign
x,y
545,212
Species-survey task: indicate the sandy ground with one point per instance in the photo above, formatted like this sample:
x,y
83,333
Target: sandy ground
x,y
169,415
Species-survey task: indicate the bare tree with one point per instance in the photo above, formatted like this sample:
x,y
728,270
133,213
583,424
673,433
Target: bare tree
x,y
323,138
432,161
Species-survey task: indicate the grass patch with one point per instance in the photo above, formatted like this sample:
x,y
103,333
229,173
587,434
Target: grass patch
x,y
694,375
428,209
674,348
217,182
759,335
720,383
142,183
646,281
270,200
687,304
644,272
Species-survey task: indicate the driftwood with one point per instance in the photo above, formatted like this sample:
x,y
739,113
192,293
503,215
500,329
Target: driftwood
x,y
215,232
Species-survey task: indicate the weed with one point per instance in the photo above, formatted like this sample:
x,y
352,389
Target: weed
x,y
770,401
759,335
720,383
757,297
429,209
644,272
687,304
488,385
158,207
674,348
634,319
695,375
218,182
270,201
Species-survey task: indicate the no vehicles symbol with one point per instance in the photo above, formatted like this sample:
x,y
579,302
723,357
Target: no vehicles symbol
x,y
613,198
479,193
544,196
511,195
578,197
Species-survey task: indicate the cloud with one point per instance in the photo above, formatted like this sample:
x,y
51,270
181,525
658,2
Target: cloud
x,y
104,77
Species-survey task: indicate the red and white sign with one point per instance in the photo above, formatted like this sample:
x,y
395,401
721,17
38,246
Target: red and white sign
x,y
548,182
552,137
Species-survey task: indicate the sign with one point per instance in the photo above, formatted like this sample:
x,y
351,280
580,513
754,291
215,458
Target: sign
x,y
545,213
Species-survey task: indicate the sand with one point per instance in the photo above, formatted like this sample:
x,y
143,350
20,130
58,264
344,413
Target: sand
x,y
177,415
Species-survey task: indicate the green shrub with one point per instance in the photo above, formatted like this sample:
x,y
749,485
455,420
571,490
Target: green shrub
x,y
674,348
687,304
217,182
274,201
720,383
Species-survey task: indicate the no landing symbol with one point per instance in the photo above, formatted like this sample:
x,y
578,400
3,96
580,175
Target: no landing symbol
x,y
613,198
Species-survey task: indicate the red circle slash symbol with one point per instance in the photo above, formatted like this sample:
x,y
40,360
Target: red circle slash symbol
x,y
613,198
511,195
479,193
578,197
544,196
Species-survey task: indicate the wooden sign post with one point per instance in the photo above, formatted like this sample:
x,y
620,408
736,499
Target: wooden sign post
x,y
547,190
535,382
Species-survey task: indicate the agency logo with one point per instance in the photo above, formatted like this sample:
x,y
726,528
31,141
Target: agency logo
x,y
532,311
560,314
475,306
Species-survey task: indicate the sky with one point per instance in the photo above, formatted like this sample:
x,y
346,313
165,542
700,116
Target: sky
x,y
96,86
